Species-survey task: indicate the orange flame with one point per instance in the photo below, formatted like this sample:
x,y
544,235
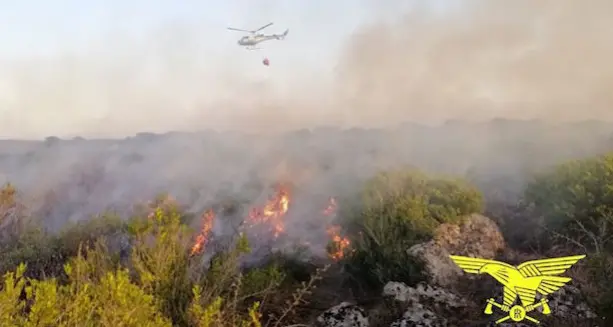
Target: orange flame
x,y
340,244
331,208
202,239
272,213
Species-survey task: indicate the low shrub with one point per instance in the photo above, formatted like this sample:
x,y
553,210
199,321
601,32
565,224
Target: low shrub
x,y
574,201
45,253
397,210
573,204
593,278
161,284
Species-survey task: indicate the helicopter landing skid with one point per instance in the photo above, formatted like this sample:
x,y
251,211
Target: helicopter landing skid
x,y
253,48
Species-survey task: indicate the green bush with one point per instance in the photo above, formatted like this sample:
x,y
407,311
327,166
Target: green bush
x,y
397,210
595,283
45,254
92,297
161,284
575,201
160,261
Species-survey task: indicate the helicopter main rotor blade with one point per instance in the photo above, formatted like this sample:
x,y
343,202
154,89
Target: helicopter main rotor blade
x,y
237,29
263,27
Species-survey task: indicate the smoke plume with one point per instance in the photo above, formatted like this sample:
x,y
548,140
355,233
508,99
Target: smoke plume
x,y
474,60
480,60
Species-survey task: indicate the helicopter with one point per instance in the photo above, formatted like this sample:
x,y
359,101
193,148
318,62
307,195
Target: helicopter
x,y
250,41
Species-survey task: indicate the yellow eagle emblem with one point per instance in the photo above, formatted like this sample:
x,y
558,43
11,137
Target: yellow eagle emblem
x,y
523,281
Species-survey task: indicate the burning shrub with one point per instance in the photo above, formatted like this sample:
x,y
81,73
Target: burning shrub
x,y
163,283
399,209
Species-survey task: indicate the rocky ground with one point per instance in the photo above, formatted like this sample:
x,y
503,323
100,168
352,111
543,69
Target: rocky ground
x,y
451,297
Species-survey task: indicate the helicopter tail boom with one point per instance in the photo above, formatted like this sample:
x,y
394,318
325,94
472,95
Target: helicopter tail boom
x,y
282,36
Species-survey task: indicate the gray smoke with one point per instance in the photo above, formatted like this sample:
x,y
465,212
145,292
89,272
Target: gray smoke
x,y
483,59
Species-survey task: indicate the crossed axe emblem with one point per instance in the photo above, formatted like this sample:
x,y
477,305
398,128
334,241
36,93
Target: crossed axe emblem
x,y
517,313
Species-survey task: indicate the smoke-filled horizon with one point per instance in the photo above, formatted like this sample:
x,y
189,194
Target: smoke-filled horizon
x,y
353,64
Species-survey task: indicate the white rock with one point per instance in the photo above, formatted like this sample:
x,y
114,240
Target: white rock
x,y
343,315
417,315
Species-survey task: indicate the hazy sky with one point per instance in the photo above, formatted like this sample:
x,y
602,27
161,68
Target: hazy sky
x,y
43,28
116,68
36,27
64,64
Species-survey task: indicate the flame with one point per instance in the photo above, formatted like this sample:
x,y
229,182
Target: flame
x,y
273,212
340,244
202,239
271,215
331,208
